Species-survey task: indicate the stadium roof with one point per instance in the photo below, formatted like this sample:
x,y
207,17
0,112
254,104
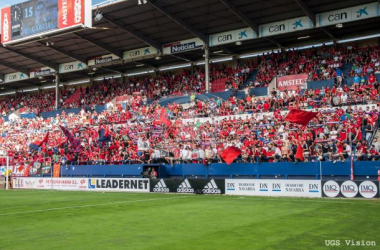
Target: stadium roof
x,y
126,26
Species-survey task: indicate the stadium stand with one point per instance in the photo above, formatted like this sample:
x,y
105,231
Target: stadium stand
x,y
244,109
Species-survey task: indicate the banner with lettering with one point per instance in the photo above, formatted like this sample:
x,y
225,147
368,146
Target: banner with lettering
x,y
291,82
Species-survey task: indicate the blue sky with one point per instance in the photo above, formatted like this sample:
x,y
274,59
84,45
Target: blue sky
x,y
5,3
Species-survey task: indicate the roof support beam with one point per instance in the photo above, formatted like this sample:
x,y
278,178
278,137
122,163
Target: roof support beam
x,y
66,53
311,16
38,60
11,66
327,32
101,45
306,10
248,21
242,16
179,21
134,33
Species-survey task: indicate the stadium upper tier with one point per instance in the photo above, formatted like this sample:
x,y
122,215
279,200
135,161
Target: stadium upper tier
x,y
319,64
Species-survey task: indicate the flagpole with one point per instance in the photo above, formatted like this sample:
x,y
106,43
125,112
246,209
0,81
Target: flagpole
x,y
7,174
352,161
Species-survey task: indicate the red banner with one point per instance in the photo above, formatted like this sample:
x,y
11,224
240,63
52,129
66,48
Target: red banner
x,y
6,25
120,99
291,82
70,13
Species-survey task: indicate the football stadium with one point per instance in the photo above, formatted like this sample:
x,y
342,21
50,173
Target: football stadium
x,y
189,124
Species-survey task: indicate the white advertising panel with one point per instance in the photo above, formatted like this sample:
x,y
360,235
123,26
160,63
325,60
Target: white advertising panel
x,y
122,185
348,14
182,46
14,77
72,66
34,73
88,184
140,53
298,188
102,59
50,183
368,189
285,26
232,36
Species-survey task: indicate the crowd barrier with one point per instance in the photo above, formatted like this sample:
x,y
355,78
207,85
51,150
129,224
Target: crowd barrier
x,y
311,170
241,187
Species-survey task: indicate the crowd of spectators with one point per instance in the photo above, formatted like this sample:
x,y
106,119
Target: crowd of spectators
x,y
138,135
322,64
200,131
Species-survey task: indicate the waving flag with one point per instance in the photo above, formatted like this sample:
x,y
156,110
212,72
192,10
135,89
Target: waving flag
x,y
230,154
299,153
75,143
104,135
37,144
163,118
300,117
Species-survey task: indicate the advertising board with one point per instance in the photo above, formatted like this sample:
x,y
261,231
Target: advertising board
x,y
351,189
204,186
298,188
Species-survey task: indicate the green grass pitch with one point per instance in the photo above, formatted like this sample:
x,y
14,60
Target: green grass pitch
x,y
31,219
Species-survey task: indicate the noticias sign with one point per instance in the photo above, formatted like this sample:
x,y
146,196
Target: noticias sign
x,y
182,46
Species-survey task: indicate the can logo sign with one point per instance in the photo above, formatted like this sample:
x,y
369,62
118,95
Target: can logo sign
x,y
368,189
331,189
349,189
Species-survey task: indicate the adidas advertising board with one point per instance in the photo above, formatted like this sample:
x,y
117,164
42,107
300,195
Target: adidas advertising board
x,y
211,188
189,186
161,187
296,188
351,189
185,187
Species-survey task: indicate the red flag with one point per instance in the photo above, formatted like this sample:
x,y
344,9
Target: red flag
x,y
230,154
46,138
299,153
27,170
37,144
163,118
300,117
165,121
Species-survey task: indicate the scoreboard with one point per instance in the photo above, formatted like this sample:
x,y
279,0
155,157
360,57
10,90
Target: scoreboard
x,y
36,17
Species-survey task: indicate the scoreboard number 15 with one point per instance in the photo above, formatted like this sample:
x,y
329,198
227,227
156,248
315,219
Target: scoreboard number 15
x,y
28,12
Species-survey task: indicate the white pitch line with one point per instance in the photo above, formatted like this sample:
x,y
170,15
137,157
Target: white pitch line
x,y
91,205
